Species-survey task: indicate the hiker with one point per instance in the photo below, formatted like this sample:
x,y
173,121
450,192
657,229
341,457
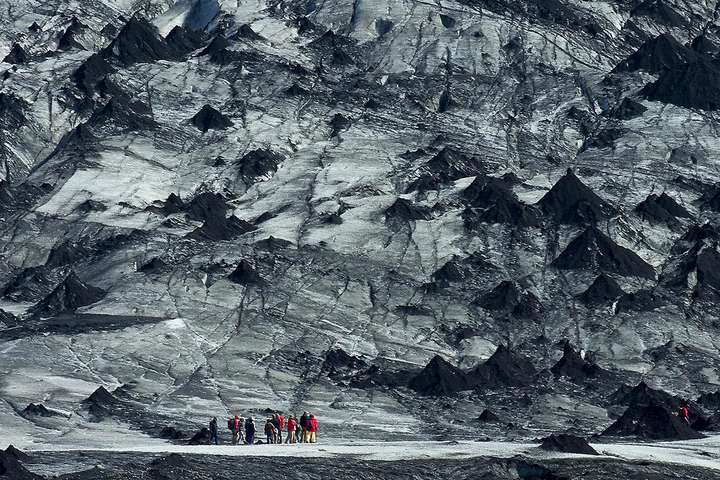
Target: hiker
x,y
291,427
276,423
280,426
270,431
213,431
298,429
312,428
234,426
684,413
303,426
250,431
241,431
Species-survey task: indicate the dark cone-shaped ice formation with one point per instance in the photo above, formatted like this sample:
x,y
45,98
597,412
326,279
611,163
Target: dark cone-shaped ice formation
x,y
245,274
658,55
509,298
662,209
575,367
593,249
503,368
39,410
603,290
488,416
12,469
339,363
694,85
71,294
571,201
89,74
259,164
643,300
492,201
652,421
209,118
405,210
627,109
17,55
439,378
710,400
184,40
138,42
567,444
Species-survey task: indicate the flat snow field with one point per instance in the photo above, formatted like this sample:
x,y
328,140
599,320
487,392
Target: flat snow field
x,y
700,453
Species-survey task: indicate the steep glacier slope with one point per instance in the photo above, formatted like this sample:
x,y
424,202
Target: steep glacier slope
x,y
205,202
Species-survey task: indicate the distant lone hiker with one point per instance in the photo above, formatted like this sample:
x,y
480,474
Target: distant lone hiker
x,y
213,431
684,413
250,431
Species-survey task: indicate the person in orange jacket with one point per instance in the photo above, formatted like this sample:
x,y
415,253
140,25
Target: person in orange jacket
x,y
312,428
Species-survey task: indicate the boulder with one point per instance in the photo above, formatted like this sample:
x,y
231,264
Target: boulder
x,y
201,437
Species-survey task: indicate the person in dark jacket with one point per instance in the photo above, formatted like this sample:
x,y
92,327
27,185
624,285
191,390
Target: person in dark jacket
x,y
276,423
250,431
270,431
303,426
213,431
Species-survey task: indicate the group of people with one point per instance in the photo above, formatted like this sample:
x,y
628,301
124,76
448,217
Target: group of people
x,y
243,430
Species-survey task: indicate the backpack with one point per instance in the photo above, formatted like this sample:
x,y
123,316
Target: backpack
x,y
231,424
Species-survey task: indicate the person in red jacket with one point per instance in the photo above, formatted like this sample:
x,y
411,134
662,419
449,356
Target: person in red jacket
x,y
235,422
684,413
281,427
312,428
292,426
